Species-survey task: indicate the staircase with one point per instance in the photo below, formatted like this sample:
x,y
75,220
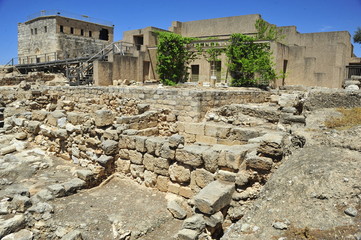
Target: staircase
x,y
82,74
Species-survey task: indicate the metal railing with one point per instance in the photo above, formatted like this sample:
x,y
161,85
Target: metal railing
x,y
353,70
85,18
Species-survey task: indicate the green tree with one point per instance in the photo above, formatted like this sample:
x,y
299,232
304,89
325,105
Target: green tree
x,y
250,62
357,35
173,57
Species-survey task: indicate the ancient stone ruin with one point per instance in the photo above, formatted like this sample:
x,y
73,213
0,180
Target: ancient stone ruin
x,y
173,163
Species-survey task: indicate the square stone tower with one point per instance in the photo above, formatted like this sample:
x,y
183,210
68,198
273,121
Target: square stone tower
x,y
51,36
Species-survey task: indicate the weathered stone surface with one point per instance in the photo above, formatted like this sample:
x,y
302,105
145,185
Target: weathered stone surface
x,y
55,118
103,118
122,166
21,203
176,210
161,166
150,178
11,225
179,173
21,136
166,152
234,155
214,197
137,170
191,155
214,219
175,140
39,115
7,149
77,118
135,157
210,158
23,234
196,222
258,163
33,127
104,160
57,190
187,234
110,147
140,144
242,178
73,185
162,183
202,177
85,174
226,176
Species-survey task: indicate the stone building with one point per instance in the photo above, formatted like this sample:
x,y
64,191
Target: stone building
x,y
51,35
310,59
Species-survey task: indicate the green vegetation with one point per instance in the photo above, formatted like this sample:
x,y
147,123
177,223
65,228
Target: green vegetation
x,y
351,117
173,58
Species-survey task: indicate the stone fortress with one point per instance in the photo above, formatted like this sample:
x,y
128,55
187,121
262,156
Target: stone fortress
x,y
186,163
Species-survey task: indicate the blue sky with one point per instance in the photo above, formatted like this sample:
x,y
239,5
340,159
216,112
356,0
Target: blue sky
x,y
307,15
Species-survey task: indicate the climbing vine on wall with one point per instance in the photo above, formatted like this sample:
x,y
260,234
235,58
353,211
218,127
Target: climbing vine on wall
x,y
173,57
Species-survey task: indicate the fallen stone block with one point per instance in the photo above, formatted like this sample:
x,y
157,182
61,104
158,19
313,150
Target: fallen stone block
x,y
85,174
176,210
196,222
73,235
187,234
11,225
104,160
23,234
54,118
110,147
57,190
214,197
8,149
258,163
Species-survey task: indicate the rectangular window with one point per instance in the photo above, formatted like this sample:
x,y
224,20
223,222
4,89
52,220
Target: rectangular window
x,y
90,33
45,29
35,31
194,73
82,32
32,31
61,28
71,30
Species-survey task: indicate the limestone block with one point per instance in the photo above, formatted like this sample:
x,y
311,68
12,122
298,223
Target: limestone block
x,y
161,166
111,134
103,118
135,157
137,170
39,115
288,99
191,155
226,176
352,88
105,161
216,130
179,173
126,142
194,128
73,185
243,134
140,144
56,118
186,192
122,166
150,178
23,234
242,178
33,127
162,183
206,139
21,203
148,161
11,225
57,190
214,197
210,158
110,147
234,155
166,152
175,208
153,145
173,187
124,154
77,118
85,174
8,149
187,234
175,140
258,163
73,235
196,222
214,220
202,177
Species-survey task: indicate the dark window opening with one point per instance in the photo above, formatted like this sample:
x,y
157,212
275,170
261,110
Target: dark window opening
x,y
35,31
285,63
82,32
61,28
90,33
194,73
71,30
45,29
138,41
104,34
32,31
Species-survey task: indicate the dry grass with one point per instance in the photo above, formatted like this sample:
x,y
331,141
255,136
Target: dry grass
x,y
351,117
